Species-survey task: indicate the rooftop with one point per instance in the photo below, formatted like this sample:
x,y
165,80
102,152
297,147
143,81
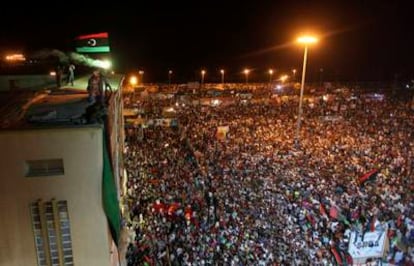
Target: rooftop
x,y
47,108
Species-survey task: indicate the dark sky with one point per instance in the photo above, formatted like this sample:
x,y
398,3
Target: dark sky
x,y
360,40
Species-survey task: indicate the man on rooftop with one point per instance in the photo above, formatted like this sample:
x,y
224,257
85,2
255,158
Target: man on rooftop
x,y
97,87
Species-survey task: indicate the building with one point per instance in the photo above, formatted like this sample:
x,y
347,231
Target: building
x,y
59,183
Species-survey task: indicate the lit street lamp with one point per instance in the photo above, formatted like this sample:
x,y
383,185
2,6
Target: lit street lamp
x,y
283,78
141,72
270,75
203,73
169,77
320,77
133,80
222,76
246,72
306,41
294,74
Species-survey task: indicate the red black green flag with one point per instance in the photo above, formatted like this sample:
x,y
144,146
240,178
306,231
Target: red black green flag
x,y
342,258
370,176
109,194
93,43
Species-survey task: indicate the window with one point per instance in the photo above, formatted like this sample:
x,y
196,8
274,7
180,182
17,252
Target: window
x,y
51,167
51,229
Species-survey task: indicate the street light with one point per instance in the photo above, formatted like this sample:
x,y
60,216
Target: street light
x,y
246,72
169,77
283,78
294,74
270,75
203,72
133,80
306,41
222,76
320,77
141,72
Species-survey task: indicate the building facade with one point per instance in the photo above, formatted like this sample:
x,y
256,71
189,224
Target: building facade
x,y
59,184
53,164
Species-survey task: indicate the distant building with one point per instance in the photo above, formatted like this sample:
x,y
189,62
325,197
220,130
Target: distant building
x,y
59,184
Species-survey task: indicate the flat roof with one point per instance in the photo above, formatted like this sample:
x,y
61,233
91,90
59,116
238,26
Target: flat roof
x,y
62,107
81,83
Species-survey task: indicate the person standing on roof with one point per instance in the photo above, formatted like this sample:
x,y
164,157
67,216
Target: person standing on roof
x,y
97,87
71,74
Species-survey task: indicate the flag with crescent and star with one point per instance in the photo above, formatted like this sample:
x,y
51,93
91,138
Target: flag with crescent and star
x,y
93,43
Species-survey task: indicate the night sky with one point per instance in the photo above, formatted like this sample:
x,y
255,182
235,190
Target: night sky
x,y
360,40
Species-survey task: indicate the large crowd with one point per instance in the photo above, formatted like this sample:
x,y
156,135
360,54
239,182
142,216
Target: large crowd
x,y
252,197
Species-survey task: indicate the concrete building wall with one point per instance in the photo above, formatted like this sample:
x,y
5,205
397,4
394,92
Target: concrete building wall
x,y
80,186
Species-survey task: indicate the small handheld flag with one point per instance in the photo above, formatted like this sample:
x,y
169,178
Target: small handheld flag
x,y
370,176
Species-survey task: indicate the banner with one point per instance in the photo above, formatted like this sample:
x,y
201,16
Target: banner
x,y
372,245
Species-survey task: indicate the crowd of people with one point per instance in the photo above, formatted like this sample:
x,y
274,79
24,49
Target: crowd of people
x,y
251,197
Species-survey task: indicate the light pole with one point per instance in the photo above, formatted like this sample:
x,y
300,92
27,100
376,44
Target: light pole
x,y
306,41
320,77
246,72
141,72
294,74
203,73
222,76
270,75
169,77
